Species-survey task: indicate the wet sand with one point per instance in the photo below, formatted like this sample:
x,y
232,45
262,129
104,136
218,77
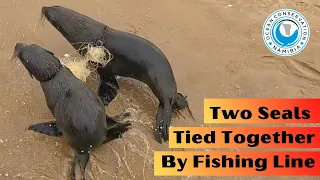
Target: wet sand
x,y
214,50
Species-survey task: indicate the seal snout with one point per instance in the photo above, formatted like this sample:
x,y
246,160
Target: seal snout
x,y
47,10
18,48
44,10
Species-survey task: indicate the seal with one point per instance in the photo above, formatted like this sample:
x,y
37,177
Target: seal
x,y
133,57
79,113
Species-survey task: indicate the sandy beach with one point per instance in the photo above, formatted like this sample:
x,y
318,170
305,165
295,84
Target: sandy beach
x,y
215,50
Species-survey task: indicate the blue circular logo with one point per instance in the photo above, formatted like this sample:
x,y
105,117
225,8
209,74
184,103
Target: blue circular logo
x,y
286,32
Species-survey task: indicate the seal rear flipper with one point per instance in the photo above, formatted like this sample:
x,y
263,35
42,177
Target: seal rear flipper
x,y
181,103
47,128
108,88
117,131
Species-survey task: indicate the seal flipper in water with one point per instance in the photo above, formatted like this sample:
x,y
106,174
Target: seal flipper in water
x,y
164,114
83,158
108,88
117,131
51,129
47,128
163,120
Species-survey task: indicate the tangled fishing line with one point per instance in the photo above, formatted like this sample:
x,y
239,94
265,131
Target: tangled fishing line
x,y
82,67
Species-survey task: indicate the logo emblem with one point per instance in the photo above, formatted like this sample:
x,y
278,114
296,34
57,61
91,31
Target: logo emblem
x,y
286,32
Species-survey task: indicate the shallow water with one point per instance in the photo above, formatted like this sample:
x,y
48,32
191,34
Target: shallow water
x,y
214,50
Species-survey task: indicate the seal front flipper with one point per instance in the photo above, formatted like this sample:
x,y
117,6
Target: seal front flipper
x,y
163,121
159,120
73,168
117,131
47,128
108,88
82,160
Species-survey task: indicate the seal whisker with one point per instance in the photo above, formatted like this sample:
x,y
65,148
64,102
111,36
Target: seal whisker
x,y
13,59
179,114
42,19
190,114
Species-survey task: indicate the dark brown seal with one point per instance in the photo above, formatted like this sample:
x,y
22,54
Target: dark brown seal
x,y
79,113
133,57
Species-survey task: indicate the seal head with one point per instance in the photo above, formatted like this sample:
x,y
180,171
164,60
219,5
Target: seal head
x,y
69,22
39,62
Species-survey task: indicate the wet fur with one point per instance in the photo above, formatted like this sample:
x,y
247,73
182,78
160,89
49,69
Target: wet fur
x,y
134,57
80,114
